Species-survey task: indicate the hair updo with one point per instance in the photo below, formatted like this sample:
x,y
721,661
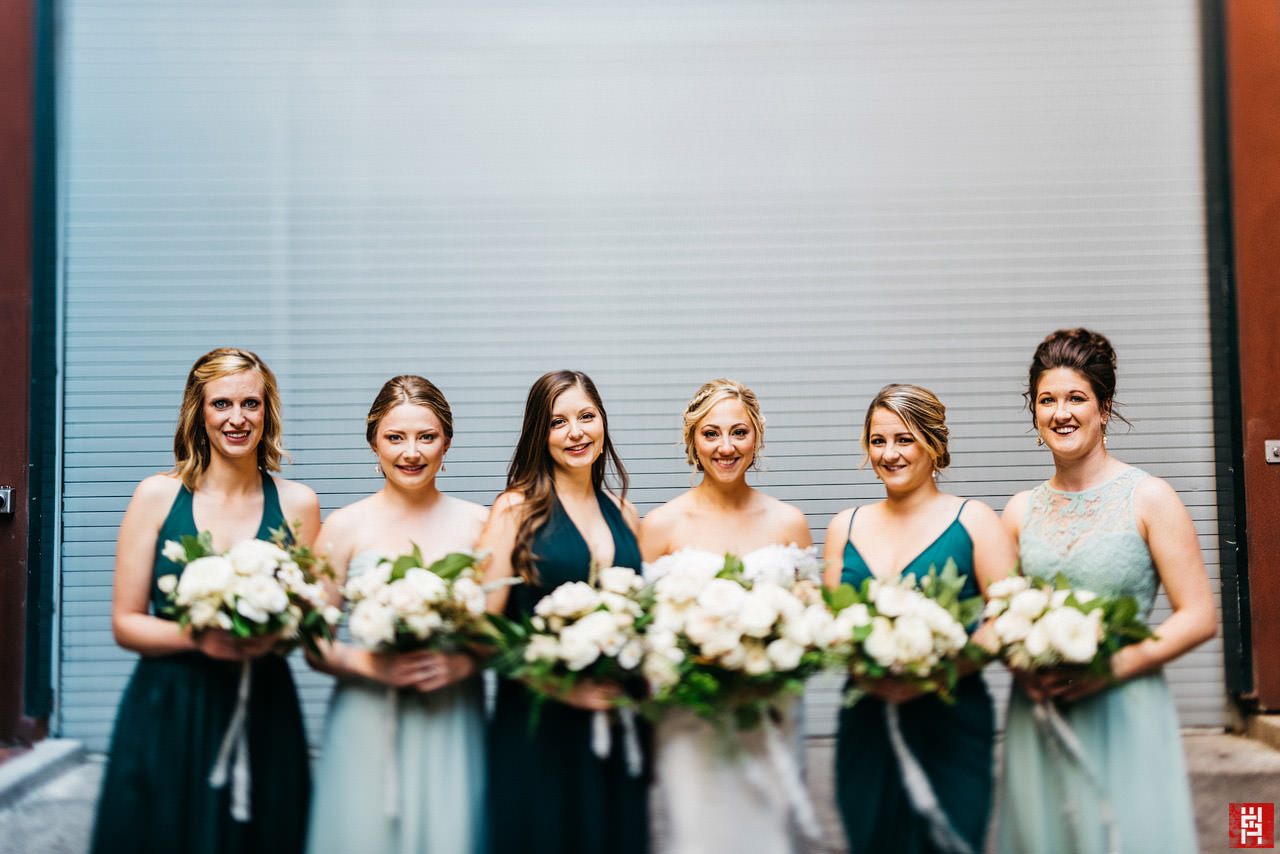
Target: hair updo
x,y
409,389
923,414
707,397
1084,351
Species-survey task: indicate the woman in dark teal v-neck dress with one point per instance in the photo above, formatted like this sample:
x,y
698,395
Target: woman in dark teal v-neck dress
x,y
915,527
156,795
548,792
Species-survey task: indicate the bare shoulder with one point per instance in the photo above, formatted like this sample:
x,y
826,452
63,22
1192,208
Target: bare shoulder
x,y
840,522
506,503
1155,493
666,515
469,511
1016,507
296,497
978,515
158,489
788,521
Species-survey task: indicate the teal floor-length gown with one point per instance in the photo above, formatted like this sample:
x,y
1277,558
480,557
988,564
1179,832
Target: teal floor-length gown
x,y
548,793
953,743
156,795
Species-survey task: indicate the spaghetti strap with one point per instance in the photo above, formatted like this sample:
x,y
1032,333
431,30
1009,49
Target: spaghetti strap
x,y
961,510
848,538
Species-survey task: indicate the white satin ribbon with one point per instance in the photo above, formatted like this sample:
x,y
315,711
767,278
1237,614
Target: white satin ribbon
x,y
784,766
1062,738
234,751
602,739
920,791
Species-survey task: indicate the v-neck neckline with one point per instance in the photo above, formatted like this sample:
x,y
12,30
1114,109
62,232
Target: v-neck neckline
x,y
613,537
910,563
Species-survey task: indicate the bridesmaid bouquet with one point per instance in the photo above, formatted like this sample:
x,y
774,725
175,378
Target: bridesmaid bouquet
x,y
401,604
254,588
733,636
1041,624
582,631
907,629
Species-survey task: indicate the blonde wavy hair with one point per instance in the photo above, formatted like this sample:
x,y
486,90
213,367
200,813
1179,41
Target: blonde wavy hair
x,y
707,397
922,413
191,442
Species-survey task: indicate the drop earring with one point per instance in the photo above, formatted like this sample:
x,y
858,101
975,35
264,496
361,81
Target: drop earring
x,y
1039,439
377,467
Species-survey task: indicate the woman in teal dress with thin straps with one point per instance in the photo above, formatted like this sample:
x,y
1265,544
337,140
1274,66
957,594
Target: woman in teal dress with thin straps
x,y
915,527
156,795
402,767
548,793
1117,531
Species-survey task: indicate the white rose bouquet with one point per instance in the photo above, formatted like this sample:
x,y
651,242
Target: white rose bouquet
x,y
583,630
254,588
400,604
734,637
1042,624
906,628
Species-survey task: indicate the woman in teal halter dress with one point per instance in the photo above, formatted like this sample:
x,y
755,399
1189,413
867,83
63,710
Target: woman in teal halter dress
x,y
402,768
548,792
905,438
156,795
1116,531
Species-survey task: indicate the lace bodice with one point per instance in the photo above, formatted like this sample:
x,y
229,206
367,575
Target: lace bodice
x,y
1092,538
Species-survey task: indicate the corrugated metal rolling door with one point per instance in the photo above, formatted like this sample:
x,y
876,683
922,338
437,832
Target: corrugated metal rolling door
x,y
814,198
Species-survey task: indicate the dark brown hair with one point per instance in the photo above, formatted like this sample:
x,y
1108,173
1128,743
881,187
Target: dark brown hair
x,y
532,471
191,442
408,388
1084,351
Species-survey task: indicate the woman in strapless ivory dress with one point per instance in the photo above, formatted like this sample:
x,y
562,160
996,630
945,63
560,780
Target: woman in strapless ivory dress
x,y
719,800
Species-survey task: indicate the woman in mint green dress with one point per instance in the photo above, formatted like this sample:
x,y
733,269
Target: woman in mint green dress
x,y
1117,531
402,766
548,792
915,527
156,795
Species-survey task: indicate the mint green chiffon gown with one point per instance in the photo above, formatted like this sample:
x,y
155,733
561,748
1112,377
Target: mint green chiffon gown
x,y
1129,733
400,772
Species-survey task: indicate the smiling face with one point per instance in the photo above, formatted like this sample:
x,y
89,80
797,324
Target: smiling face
x,y
897,457
725,440
410,443
576,435
1069,416
234,414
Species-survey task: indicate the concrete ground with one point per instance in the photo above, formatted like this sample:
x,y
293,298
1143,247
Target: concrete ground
x,y
53,815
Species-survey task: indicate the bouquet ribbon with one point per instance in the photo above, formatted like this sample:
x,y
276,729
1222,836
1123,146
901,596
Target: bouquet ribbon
x,y
1062,738
784,765
602,738
234,751
920,791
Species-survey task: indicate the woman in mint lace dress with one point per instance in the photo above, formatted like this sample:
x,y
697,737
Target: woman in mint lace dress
x,y
156,795
402,767
1117,531
915,527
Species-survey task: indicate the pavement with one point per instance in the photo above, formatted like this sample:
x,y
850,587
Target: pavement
x,y
47,794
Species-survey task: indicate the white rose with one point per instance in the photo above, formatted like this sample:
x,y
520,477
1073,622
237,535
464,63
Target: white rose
x,y
994,608
855,616
577,649
819,624
913,639
660,672
174,551
430,586
1073,634
757,616
879,644
1029,603
372,624
619,579
167,584
756,660
733,657
1038,645
249,611
785,655
600,628
404,597
668,617
722,597
424,625
332,615
256,557
470,594
784,601
894,601
205,576
569,600
1012,628
775,564
1083,596
698,566
1008,586
542,648
630,656
679,588
1058,598
203,614
264,593
222,620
